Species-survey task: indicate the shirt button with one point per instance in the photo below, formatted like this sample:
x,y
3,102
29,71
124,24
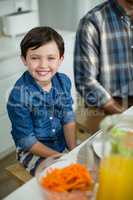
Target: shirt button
x,y
132,47
51,118
131,26
53,130
122,17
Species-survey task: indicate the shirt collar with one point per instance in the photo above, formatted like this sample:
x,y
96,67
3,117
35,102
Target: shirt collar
x,y
33,85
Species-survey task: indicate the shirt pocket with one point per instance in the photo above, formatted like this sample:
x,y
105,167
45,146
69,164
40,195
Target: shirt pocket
x,y
58,113
40,117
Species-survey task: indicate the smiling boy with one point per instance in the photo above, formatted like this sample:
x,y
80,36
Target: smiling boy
x,y
40,104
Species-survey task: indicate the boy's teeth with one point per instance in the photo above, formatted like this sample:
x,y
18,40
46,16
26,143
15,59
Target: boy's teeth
x,y
43,73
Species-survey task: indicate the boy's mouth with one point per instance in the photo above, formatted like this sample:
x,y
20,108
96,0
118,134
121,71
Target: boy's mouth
x,y
43,73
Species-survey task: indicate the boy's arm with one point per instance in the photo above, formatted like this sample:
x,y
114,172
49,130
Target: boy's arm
x,y
70,134
42,150
23,130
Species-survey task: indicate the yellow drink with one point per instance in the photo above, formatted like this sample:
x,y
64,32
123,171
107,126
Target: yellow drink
x,y
116,178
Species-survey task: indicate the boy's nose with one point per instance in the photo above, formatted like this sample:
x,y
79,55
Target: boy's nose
x,y
44,63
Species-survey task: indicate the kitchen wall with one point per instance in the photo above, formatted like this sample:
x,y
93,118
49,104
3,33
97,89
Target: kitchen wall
x,y
64,14
61,14
11,66
10,6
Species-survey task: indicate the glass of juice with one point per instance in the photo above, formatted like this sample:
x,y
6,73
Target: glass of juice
x,y
116,167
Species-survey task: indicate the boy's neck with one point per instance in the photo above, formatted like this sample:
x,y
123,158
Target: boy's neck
x,y
46,86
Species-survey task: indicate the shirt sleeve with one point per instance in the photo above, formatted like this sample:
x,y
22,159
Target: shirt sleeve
x,y
87,65
22,126
68,113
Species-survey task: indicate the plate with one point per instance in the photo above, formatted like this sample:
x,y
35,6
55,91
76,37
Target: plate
x,y
98,147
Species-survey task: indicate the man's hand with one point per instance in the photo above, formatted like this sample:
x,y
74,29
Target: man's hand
x,y
112,107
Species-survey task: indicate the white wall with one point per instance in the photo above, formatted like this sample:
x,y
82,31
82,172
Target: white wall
x,y
67,65
10,6
10,68
64,14
56,13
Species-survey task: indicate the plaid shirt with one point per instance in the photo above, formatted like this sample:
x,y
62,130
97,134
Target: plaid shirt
x,y
103,64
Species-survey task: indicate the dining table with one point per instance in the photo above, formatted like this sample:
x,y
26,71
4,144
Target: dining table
x,y
31,190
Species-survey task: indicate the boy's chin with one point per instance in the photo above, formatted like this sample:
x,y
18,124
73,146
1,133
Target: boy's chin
x,y
44,78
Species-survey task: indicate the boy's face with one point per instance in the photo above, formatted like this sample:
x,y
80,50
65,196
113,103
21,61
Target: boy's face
x,y
43,62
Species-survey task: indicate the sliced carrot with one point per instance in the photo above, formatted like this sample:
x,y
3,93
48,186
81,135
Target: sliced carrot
x,y
70,178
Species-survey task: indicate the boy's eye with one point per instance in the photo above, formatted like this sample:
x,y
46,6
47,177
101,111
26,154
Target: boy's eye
x,y
51,58
34,58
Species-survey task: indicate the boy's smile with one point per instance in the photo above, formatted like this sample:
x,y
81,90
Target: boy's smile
x,y
43,63
43,72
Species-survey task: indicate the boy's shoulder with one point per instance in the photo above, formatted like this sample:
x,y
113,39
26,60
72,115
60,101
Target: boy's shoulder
x,y
62,82
62,78
20,85
21,81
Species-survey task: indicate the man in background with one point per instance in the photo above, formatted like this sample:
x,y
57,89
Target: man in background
x,y
103,63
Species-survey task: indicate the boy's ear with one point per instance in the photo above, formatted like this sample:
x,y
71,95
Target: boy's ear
x,y
62,58
23,60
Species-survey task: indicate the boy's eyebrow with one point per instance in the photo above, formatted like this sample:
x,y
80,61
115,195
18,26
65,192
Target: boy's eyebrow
x,y
34,54
52,54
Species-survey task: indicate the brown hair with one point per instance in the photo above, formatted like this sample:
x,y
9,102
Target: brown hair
x,y
39,36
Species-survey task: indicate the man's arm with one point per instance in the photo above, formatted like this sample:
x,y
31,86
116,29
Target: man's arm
x,y
87,65
70,135
112,107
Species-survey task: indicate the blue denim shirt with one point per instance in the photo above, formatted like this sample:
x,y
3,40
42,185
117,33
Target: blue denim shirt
x,y
37,115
